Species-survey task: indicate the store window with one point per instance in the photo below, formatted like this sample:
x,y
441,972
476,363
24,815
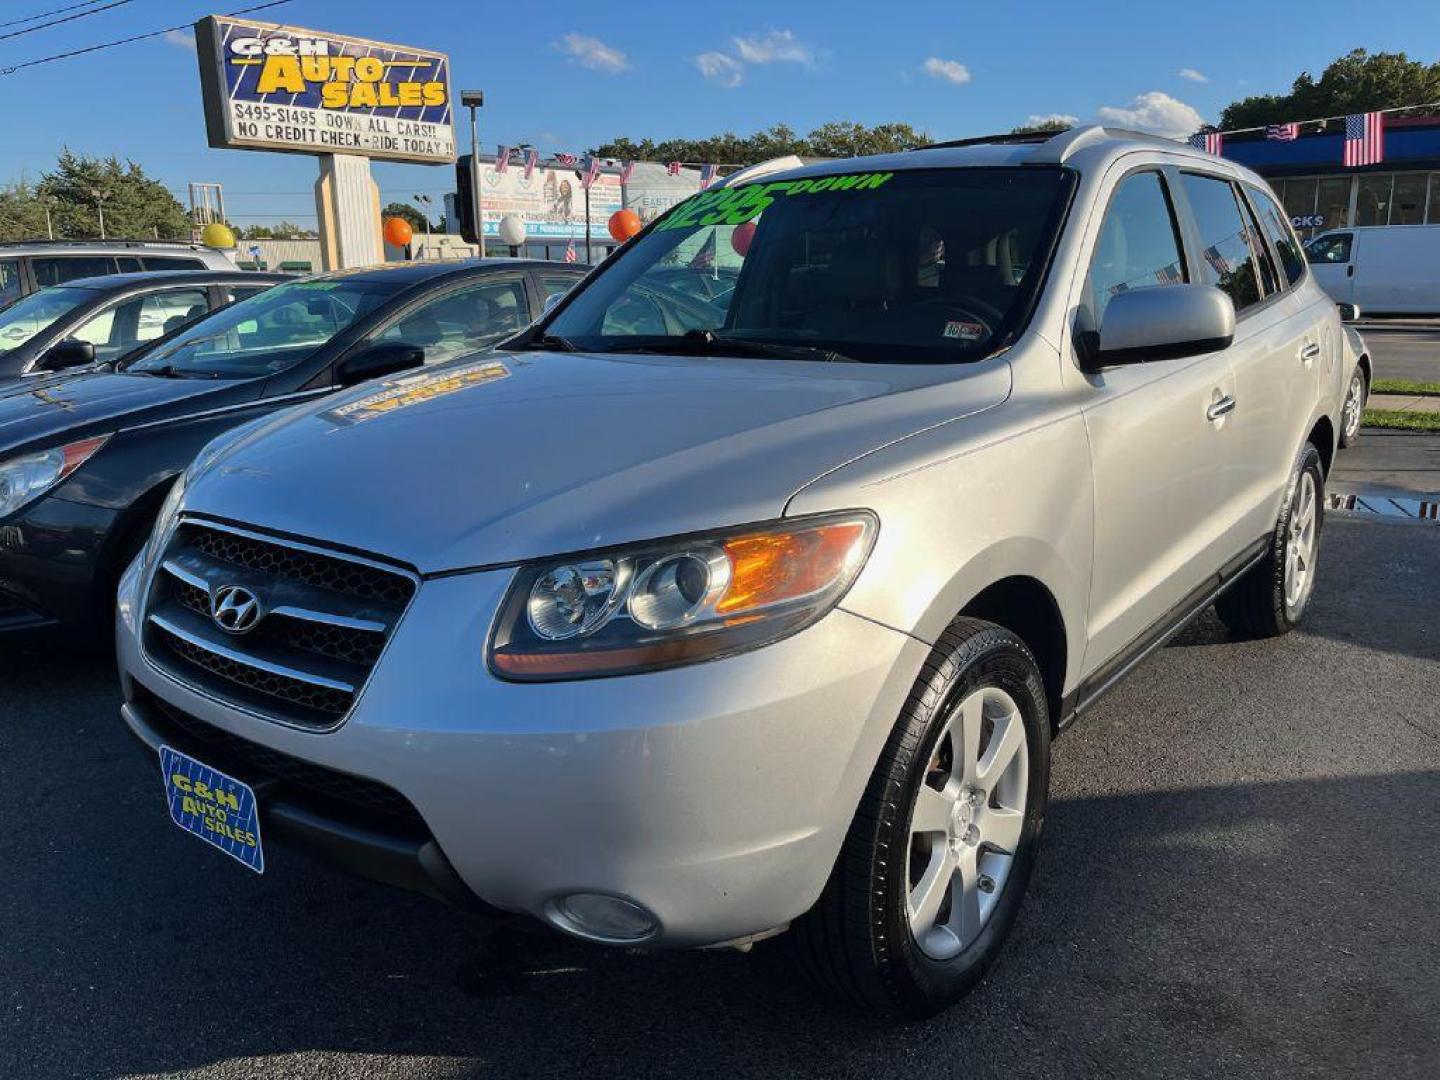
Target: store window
x,y
1433,217
1298,196
1372,201
1332,201
1407,205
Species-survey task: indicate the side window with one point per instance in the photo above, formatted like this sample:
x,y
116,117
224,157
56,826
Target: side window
x,y
243,292
60,269
557,286
1330,248
1269,276
9,280
1225,254
1137,245
170,262
1277,227
464,321
128,264
162,312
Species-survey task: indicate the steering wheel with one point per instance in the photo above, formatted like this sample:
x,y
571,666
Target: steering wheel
x,y
987,314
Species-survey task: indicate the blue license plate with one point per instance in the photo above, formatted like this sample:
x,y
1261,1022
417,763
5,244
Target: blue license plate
x,y
217,808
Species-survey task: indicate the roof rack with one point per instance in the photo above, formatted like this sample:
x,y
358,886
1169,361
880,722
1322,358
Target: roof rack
x,y
1053,148
187,244
983,140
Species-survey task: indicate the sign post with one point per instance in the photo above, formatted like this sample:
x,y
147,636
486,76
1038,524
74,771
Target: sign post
x,y
343,99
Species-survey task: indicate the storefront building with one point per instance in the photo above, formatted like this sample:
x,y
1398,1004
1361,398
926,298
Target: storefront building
x,y
1320,193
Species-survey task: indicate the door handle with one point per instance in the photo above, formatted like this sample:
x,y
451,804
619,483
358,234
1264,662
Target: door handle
x,y
1220,407
1309,353
1350,270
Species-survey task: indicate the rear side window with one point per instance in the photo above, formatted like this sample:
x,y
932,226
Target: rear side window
x,y
556,286
1225,257
9,280
1332,248
56,270
1277,227
171,262
1269,276
1137,246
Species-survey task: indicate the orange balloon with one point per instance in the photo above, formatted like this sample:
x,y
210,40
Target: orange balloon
x,y
624,224
398,232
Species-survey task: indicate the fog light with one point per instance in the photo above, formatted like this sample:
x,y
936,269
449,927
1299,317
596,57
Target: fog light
x,y
603,918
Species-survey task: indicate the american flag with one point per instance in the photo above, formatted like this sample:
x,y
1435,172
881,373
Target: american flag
x,y
1282,132
568,160
1364,139
502,159
1170,275
532,159
705,258
707,175
1212,142
673,168
1217,261
592,172
627,170
570,253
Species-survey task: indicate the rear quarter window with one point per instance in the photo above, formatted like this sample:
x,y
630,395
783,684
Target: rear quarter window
x,y
58,269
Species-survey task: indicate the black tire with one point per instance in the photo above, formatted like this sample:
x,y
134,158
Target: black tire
x,y
1350,421
1257,605
857,941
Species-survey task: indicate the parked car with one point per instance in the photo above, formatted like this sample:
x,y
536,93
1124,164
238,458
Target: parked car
x,y
1383,269
29,265
103,318
86,459
684,637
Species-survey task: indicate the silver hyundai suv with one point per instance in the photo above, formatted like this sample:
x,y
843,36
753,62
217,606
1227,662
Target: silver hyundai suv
x,y
696,614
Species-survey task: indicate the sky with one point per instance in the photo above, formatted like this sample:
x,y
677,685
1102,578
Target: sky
x,y
565,75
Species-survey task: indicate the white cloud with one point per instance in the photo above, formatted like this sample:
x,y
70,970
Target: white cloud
x,y
593,53
1192,75
951,71
1038,120
775,46
1157,113
181,39
722,69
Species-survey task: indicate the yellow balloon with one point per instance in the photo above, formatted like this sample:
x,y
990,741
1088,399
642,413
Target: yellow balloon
x,y
216,235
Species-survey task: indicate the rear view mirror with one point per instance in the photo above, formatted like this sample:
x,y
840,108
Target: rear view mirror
x,y
1349,312
1163,322
374,361
67,354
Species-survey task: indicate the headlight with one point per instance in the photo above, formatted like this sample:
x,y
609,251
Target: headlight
x,y
676,602
24,479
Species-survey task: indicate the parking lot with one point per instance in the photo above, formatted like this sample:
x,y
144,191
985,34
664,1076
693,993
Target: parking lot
x,y
1238,880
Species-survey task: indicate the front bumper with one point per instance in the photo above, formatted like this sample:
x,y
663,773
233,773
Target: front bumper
x,y
717,795
51,557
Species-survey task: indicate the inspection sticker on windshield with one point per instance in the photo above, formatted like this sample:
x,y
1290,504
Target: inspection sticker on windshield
x,y
964,331
217,808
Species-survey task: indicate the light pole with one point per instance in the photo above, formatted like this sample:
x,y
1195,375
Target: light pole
x,y
424,202
474,100
45,201
100,197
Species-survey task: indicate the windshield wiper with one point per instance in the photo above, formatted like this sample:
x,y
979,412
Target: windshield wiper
x,y
170,371
709,343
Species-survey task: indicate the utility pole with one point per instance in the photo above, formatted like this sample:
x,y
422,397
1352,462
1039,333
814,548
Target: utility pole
x,y
474,100
100,197
424,202
45,201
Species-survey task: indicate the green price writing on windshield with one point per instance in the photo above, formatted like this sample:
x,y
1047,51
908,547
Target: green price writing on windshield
x,y
735,206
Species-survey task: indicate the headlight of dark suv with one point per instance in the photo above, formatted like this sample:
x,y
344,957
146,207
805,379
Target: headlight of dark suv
x,y
678,601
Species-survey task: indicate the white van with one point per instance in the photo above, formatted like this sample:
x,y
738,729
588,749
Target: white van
x,y
1380,268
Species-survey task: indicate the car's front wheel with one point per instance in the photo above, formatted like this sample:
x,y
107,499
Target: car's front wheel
x,y
1354,409
937,859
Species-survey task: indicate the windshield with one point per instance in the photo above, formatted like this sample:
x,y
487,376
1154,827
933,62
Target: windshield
x,y
25,318
924,266
269,332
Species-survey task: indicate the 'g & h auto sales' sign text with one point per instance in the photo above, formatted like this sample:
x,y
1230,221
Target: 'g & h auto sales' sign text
x,y
269,87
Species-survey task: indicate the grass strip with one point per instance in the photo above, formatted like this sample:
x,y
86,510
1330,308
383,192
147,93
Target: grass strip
x,y
1406,386
1397,420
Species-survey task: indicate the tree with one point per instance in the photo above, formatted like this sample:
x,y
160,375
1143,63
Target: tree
x,y
409,213
1052,126
286,230
1359,81
836,139
135,205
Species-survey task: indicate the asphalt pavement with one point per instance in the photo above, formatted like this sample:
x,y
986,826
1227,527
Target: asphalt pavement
x,y
1404,353
1240,878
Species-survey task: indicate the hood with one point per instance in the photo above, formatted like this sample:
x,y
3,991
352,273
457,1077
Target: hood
x,y
509,457
45,411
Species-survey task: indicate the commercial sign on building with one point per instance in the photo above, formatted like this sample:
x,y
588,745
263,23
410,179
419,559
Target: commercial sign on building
x,y
270,87
550,201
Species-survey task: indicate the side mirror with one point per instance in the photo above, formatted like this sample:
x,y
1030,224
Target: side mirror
x,y
67,354
1163,322
1349,312
374,361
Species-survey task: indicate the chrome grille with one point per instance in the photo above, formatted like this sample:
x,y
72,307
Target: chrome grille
x,y
325,619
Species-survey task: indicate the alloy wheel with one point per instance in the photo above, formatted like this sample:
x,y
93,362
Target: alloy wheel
x,y
1354,404
966,822
1300,537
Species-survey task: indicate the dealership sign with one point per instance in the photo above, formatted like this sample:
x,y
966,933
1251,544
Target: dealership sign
x,y
269,87
1308,221
550,201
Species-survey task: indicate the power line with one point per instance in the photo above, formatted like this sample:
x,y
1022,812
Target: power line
x,y
47,14
65,19
126,41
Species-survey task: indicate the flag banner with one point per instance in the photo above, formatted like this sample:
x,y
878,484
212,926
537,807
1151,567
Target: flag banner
x,y
705,258
532,160
570,254
502,159
568,160
673,168
1212,142
708,174
1282,132
592,173
627,170
1364,139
